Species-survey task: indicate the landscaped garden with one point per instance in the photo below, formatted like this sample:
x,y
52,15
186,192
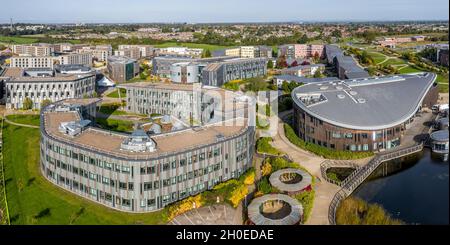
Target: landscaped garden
x,y
34,200
263,146
354,211
320,150
33,120
115,93
273,164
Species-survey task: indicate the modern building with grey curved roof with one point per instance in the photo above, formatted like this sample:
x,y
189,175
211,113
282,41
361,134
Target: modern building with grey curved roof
x,y
365,114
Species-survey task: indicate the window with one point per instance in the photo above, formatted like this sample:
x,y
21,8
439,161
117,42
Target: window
x,y
126,202
123,185
365,147
151,202
166,166
336,135
147,186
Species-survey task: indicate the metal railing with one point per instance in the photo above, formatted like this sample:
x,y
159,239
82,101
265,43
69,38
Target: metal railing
x,y
327,164
360,174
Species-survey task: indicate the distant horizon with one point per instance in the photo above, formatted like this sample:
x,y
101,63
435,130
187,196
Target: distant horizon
x,y
228,22
221,11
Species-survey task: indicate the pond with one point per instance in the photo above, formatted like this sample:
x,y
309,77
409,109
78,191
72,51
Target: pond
x,y
414,189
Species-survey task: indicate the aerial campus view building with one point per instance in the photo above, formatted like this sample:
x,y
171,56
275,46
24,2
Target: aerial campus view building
x,y
368,114
210,71
145,171
40,84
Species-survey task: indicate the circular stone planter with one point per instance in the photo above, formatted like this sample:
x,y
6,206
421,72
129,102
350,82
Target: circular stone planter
x,y
275,209
290,180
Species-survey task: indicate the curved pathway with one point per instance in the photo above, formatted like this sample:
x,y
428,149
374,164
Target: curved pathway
x,y
20,124
324,191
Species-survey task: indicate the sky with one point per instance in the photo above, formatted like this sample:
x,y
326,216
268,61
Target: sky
x,y
204,11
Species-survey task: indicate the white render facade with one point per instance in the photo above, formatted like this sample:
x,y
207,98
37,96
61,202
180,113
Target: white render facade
x,y
141,182
52,88
32,61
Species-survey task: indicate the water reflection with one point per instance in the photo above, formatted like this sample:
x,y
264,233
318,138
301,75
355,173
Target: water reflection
x,y
413,189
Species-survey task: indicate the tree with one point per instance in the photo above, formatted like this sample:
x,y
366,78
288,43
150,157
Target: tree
x,y
317,74
27,104
281,62
369,36
45,103
285,87
256,84
270,64
303,39
336,33
294,64
206,53
316,57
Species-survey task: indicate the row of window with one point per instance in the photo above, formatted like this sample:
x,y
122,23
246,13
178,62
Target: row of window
x,y
147,186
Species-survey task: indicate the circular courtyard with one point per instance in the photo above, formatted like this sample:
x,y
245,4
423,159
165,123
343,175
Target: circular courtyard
x,y
291,180
275,209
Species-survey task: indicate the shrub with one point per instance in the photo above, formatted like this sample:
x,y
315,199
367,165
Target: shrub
x,y
320,150
354,211
237,195
306,198
249,179
264,186
185,205
263,146
266,168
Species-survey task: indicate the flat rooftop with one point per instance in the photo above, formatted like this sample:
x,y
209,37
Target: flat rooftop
x,y
110,142
365,104
20,75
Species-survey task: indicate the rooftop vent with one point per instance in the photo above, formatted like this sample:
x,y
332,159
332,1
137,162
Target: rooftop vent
x,y
73,128
341,96
219,137
353,93
138,142
339,87
324,88
165,119
155,129
361,101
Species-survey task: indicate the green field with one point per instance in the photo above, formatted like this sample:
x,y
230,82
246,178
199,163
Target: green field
x,y
377,57
191,45
24,119
409,69
395,61
34,200
115,125
17,40
115,94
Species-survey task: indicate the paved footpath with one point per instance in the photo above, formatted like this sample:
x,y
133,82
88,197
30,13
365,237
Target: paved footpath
x,y
324,191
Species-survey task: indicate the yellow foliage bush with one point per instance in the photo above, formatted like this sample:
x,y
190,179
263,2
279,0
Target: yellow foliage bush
x,y
250,178
237,195
185,205
266,169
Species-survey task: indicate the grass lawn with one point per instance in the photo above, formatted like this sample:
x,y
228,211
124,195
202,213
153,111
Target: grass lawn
x,y
34,200
377,57
115,94
409,69
17,40
115,125
191,45
111,109
394,61
24,119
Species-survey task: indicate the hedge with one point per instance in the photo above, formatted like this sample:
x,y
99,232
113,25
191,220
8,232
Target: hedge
x,y
263,146
320,150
